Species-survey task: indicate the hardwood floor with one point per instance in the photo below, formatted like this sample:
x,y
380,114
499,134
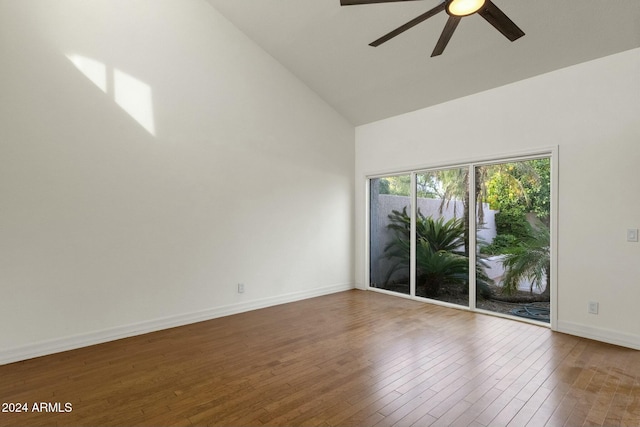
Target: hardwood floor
x,y
349,359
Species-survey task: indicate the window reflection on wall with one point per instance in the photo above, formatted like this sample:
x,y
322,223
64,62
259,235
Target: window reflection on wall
x,y
131,94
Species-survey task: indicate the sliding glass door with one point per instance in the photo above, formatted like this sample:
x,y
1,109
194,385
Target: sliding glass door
x,y
474,235
442,235
389,242
514,238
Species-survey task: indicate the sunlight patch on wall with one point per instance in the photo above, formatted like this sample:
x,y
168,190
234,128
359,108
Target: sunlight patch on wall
x,y
92,69
134,97
131,94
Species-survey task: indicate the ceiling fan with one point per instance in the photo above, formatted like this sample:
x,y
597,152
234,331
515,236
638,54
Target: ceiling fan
x,y
456,9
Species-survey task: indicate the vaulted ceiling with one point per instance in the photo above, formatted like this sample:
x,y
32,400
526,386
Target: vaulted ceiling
x,y
326,46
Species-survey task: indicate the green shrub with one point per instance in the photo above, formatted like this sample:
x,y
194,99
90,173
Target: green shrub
x,y
500,244
514,222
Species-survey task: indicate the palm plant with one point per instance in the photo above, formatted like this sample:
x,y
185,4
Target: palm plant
x,y
441,235
440,259
437,270
529,260
455,187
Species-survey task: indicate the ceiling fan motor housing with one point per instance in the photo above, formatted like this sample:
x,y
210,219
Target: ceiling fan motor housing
x,y
463,7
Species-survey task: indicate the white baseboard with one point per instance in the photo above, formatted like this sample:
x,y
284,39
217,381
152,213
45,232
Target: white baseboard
x,y
600,334
57,345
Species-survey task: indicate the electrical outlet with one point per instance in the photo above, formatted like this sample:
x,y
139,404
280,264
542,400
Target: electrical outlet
x,y
593,307
240,288
632,235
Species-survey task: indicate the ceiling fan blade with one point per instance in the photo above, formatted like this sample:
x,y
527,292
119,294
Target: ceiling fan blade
x,y
356,2
401,29
500,21
447,32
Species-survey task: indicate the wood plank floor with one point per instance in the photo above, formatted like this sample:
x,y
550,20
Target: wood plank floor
x,y
349,359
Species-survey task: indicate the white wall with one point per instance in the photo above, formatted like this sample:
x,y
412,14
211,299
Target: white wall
x,y
591,112
151,157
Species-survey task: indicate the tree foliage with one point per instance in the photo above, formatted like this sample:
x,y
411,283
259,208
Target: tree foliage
x,y
517,190
396,185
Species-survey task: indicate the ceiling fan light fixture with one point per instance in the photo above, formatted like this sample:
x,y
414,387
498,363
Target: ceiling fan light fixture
x,y
463,7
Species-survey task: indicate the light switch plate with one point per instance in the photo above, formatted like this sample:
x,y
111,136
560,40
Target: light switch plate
x,y
632,235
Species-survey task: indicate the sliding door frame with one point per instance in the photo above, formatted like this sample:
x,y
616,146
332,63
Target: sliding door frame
x,y
549,152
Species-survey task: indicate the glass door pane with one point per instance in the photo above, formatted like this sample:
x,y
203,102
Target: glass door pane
x,y
442,235
513,238
389,233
